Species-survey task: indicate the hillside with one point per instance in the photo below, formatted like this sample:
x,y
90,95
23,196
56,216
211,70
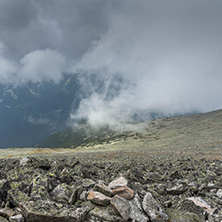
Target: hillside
x,y
197,130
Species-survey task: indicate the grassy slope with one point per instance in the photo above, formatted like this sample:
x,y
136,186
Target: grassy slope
x,y
195,135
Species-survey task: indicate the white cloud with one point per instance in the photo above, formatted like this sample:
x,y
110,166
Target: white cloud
x,y
36,66
169,63
42,65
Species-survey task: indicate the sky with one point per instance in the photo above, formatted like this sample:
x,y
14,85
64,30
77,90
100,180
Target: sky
x,y
132,58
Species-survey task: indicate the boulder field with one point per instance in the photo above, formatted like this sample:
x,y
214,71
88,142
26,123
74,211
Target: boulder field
x,y
36,189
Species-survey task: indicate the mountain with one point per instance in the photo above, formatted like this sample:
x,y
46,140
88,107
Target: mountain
x,y
172,132
31,112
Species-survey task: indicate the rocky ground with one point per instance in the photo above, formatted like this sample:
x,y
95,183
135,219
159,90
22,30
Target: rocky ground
x,y
124,188
170,170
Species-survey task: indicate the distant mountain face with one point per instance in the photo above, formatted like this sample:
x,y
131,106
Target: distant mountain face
x,y
32,112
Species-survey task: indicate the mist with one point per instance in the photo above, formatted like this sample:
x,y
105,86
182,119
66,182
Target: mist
x,y
134,59
156,57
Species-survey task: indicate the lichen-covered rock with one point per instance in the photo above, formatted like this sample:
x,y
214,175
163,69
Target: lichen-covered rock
x,y
122,206
98,198
4,187
118,182
182,216
15,197
189,206
2,219
153,209
50,211
177,189
87,183
104,214
61,193
136,211
40,187
102,188
124,192
198,201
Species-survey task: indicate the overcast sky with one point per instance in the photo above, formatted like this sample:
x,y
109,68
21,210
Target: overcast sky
x,y
134,57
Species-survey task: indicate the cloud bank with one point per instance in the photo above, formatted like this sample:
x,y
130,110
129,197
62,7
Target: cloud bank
x,y
134,58
167,54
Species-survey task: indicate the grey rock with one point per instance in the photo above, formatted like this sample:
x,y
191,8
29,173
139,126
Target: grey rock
x,y
182,216
7,212
118,182
219,193
16,197
17,218
177,189
24,161
50,211
136,211
98,198
83,195
102,188
153,209
4,187
198,201
124,192
40,187
2,219
122,206
61,193
104,214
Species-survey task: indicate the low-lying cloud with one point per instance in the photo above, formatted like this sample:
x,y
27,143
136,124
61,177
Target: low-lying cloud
x,y
134,59
167,55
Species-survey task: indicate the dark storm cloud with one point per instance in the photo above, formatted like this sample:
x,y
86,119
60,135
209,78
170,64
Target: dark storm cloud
x,y
167,53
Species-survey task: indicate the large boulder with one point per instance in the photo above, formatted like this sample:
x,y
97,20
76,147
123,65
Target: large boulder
x,y
61,193
153,209
122,206
136,211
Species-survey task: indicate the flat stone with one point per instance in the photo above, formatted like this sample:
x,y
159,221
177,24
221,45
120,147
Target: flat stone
x,y
124,192
106,214
153,209
122,206
176,190
17,218
50,211
118,182
182,216
7,212
98,198
102,188
198,201
136,211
